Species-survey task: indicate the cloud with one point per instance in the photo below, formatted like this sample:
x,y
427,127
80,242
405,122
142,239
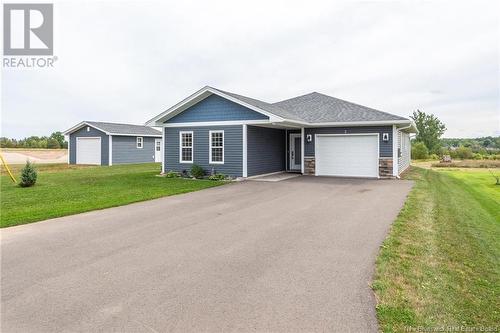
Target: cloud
x,y
128,61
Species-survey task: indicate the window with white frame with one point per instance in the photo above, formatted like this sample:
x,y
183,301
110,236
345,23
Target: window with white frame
x,y
186,147
139,143
216,147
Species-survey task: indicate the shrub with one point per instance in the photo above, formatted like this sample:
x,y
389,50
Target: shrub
x,y
28,175
217,176
197,171
172,174
463,153
419,151
434,157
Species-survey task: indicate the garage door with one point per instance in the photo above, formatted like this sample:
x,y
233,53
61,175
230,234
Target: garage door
x,y
347,155
88,151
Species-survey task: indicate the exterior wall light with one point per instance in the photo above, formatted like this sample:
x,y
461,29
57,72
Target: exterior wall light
x,y
385,137
309,137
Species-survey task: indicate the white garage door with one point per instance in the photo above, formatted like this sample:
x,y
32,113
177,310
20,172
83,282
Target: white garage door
x,y
88,151
347,155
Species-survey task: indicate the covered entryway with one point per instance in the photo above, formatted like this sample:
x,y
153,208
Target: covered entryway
x,y
88,150
347,155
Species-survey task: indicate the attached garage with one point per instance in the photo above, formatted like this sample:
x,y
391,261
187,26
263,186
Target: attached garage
x,y
88,150
347,155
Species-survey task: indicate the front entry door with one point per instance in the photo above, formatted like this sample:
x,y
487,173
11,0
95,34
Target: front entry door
x,y
295,152
158,150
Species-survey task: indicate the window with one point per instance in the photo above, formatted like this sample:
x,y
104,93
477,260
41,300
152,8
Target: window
x,y
158,145
139,142
185,147
216,147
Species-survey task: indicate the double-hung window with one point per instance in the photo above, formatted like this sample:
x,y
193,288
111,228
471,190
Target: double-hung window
x,y
139,142
216,147
185,147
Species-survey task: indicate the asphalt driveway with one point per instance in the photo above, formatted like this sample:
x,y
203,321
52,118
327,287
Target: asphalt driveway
x,y
295,255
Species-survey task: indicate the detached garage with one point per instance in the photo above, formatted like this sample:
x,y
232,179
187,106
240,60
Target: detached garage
x,y
100,143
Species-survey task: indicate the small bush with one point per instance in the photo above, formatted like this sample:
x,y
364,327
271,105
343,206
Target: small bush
x,y
434,157
28,175
197,171
419,151
172,174
463,153
218,176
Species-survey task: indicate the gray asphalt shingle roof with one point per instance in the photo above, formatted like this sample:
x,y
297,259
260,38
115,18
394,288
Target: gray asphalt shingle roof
x,y
124,128
318,108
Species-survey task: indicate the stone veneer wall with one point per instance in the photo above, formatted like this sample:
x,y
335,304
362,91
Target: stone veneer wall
x,y
385,167
309,165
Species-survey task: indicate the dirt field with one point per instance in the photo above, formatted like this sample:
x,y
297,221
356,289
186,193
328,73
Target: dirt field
x,y
19,156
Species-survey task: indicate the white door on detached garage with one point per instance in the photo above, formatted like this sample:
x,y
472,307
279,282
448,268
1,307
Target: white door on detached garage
x,y
350,155
88,150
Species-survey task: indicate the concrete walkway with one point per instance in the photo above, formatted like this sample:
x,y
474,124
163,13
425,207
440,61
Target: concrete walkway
x,y
289,256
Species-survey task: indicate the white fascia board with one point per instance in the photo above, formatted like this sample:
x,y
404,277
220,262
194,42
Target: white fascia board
x,y
83,124
199,96
159,135
350,123
218,123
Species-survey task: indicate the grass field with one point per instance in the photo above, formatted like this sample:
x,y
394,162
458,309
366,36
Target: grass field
x,y
440,265
64,189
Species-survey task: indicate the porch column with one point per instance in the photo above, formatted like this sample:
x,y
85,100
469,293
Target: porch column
x,y
302,150
245,152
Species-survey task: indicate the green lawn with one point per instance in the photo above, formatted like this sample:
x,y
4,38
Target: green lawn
x,y
64,190
440,264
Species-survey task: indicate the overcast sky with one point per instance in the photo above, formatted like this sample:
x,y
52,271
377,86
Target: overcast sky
x,y
128,61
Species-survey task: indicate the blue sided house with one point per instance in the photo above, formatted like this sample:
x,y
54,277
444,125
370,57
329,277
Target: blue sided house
x,y
100,143
313,134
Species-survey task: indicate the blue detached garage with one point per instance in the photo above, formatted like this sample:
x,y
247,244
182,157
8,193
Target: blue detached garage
x,y
101,143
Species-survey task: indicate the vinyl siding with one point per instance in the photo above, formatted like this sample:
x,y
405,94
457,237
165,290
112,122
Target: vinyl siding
x,y
266,150
405,147
216,108
385,146
233,149
82,132
125,150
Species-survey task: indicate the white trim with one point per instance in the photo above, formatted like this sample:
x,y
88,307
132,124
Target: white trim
x,y
351,123
286,150
218,123
137,142
84,123
180,147
110,150
316,157
163,130
155,146
69,153
199,96
245,150
302,149
395,156
210,147
88,137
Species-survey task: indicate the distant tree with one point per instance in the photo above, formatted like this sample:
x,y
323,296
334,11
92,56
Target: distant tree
x,y
59,137
463,153
430,129
419,151
53,144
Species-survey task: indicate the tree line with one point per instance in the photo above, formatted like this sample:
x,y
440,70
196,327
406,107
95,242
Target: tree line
x,y
429,144
54,141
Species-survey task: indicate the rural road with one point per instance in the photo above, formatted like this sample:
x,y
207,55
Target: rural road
x,y
291,256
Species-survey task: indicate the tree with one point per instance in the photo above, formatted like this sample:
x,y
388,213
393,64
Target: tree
x,y
53,144
59,137
430,129
419,151
28,175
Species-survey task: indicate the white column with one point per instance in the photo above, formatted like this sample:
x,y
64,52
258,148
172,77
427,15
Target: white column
x,y
110,150
163,149
394,151
245,152
302,139
69,144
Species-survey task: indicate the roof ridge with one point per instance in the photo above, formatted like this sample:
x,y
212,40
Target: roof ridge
x,y
113,123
